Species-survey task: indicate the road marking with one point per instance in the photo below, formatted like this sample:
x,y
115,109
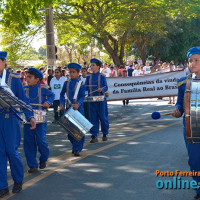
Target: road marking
x,y
68,154
84,155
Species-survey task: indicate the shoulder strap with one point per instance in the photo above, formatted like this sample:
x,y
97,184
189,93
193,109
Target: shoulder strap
x,y
3,83
77,90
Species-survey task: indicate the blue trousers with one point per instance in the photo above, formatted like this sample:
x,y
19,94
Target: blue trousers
x,y
99,112
76,146
193,150
33,140
9,142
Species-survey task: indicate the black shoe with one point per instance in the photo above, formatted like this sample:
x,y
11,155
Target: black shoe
x,y
32,170
76,153
42,165
94,139
197,196
17,187
104,138
4,192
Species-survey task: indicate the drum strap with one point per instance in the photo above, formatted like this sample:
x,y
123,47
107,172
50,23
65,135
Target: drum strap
x,y
67,92
39,96
3,83
90,83
99,82
77,90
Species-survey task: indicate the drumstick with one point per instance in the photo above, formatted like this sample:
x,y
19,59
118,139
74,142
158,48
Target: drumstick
x,y
35,104
97,90
165,114
89,85
157,115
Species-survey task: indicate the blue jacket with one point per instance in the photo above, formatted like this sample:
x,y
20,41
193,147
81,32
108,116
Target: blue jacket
x,y
95,81
69,88
38,94
181,91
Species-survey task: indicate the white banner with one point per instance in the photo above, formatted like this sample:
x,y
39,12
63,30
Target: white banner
x,y
148,86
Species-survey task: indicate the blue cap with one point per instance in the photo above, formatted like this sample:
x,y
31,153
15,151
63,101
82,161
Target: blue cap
x,y
74,65
94,60
3,54
37,72
192,51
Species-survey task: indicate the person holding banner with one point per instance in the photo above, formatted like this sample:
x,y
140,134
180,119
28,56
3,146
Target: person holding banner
x,y
193,149
98,110
10,133
75,91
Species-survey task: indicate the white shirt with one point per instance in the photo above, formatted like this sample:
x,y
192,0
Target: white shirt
x,y
106,72
57,85
82,78
147,69
136,72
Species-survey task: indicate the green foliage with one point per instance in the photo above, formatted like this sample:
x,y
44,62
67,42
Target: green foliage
x,y
181,36
38,66
115,24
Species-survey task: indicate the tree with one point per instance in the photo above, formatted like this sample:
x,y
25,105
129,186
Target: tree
x,y
181,35
108,21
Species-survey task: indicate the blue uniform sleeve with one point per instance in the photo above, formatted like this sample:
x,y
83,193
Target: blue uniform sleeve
x,y
180,99
104,84
81,95
49,96
20,93
62,94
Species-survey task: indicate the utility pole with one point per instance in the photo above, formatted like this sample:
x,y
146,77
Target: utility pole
x,y
50,40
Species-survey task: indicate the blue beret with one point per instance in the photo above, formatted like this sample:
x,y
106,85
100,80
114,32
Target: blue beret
x,y
37,72
94,60
3,54
192,51
74,65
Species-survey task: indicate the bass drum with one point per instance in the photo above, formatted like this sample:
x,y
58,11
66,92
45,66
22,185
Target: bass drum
x,y
192,110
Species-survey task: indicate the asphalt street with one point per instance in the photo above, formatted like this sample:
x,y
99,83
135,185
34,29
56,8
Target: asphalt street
x,y
124,167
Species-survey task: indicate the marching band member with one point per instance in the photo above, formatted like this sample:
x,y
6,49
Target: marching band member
x,y
98,110
10,134
69,88
33,139
193,149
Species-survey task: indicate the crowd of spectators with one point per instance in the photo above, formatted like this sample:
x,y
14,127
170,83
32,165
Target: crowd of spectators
x,y
56,78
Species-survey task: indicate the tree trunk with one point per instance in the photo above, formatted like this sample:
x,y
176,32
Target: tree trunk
x,y
110,50
69,52
123,42
142,49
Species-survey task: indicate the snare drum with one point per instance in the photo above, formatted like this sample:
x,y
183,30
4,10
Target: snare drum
x,y
75,123
192,110
40,116
94,98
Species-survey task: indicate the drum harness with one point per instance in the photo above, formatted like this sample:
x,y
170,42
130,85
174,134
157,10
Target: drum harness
x,y
76,92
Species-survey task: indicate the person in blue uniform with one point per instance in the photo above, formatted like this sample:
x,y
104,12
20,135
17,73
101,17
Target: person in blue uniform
x,y
97,86
10,134
193,149
40,99
69,89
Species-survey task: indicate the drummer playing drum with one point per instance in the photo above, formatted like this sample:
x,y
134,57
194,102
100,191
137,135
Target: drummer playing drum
x,y
193,149
42,97
98,110
71,87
